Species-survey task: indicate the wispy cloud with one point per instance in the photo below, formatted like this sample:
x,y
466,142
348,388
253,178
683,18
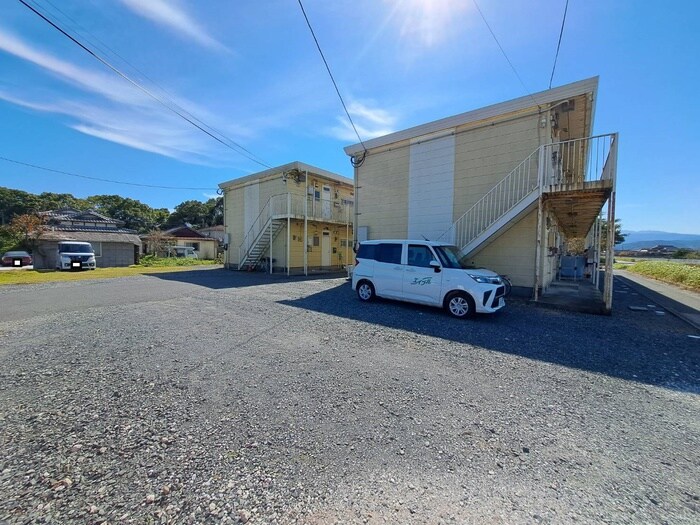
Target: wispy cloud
x,y
108,107
103,84
370,122
175,18
147,130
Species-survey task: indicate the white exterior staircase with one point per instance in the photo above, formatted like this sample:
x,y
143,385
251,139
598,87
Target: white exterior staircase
x,y
261,243
568,165
515,194
273,218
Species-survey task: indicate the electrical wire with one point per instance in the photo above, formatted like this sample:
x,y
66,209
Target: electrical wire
x,y
99,178
561,32
504,54
355,163
231,144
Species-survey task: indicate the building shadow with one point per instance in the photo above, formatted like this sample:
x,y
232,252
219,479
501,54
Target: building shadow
x,y
220,278
644,347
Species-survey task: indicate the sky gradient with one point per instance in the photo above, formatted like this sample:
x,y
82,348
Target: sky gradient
x,y
250,69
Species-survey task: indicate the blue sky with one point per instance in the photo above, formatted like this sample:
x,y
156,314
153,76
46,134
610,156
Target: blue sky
x,y
250,70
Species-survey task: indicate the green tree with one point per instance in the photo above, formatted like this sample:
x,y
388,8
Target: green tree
x,y
134,214
55,201
216,214
198,214
619,236
16,202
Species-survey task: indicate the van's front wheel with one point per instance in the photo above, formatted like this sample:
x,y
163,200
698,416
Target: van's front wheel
x,y
365,291
459,305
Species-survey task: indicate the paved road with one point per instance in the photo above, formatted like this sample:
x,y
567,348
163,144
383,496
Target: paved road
x,y
684,304
221,397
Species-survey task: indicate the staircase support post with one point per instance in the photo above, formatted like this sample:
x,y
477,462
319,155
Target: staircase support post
x,y
306,227
289,225
540,218
538,247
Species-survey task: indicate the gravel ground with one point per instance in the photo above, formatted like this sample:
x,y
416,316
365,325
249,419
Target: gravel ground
x,y
221,397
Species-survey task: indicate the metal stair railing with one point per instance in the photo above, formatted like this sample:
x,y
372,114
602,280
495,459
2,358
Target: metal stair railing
x,y
575,161
255,231
496,203
281,206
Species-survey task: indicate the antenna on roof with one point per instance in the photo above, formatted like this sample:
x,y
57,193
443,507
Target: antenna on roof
x,y
424,237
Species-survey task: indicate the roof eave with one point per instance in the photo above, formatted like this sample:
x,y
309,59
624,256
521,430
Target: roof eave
x,y
301,166
589,85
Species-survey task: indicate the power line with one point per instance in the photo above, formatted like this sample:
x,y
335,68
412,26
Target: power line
x,y
561,32
107,49
231,144
504,53
318,46
98,178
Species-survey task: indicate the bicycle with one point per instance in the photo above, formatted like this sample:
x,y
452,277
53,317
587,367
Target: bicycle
x,y
507,285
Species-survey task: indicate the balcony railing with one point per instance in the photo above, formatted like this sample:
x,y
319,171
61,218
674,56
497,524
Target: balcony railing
x,y
579,161
296,206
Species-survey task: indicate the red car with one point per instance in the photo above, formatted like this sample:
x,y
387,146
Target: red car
x,y
16,259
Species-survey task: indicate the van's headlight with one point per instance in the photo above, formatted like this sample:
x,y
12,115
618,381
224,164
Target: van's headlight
x,y
485,279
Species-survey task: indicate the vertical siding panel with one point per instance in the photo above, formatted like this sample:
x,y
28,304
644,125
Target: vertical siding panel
x,y
431,187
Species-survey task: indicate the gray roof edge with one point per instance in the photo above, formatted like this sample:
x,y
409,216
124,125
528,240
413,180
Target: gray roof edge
x,y
543,97
301,166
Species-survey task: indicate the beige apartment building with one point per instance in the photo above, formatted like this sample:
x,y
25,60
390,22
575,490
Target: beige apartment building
x,y
518,186
294,218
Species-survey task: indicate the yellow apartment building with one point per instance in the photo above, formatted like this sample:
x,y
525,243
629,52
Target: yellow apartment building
x,y
294,218
518,186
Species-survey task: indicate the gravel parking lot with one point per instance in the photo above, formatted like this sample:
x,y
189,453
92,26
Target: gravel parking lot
x,y
223,397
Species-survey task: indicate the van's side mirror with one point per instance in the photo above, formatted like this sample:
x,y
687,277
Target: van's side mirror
x,y
435,266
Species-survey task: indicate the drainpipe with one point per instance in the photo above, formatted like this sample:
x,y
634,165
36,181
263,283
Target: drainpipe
x,y
357,207
289,225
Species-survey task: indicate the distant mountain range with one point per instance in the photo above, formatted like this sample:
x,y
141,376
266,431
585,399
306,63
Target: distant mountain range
x,y
647,239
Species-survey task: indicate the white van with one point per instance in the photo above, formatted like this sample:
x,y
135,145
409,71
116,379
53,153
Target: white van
x,y
425,272
75,255
188,252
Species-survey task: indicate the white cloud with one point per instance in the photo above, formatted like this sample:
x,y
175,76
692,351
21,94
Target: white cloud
x,y
151,130
173,17
103,84
370,122
108,107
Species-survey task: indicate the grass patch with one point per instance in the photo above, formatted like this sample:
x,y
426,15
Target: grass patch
x,y
163,262
48,276
685,275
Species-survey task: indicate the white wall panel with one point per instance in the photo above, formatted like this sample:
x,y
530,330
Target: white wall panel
x,y
251,206
431,187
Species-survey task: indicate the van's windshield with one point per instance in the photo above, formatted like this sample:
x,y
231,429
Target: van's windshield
x,y
75,248
449,257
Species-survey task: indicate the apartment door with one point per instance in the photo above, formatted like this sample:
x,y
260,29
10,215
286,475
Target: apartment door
x,y
326,202
326,249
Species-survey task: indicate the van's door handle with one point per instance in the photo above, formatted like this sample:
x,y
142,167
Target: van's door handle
x,y
412,270
398,267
